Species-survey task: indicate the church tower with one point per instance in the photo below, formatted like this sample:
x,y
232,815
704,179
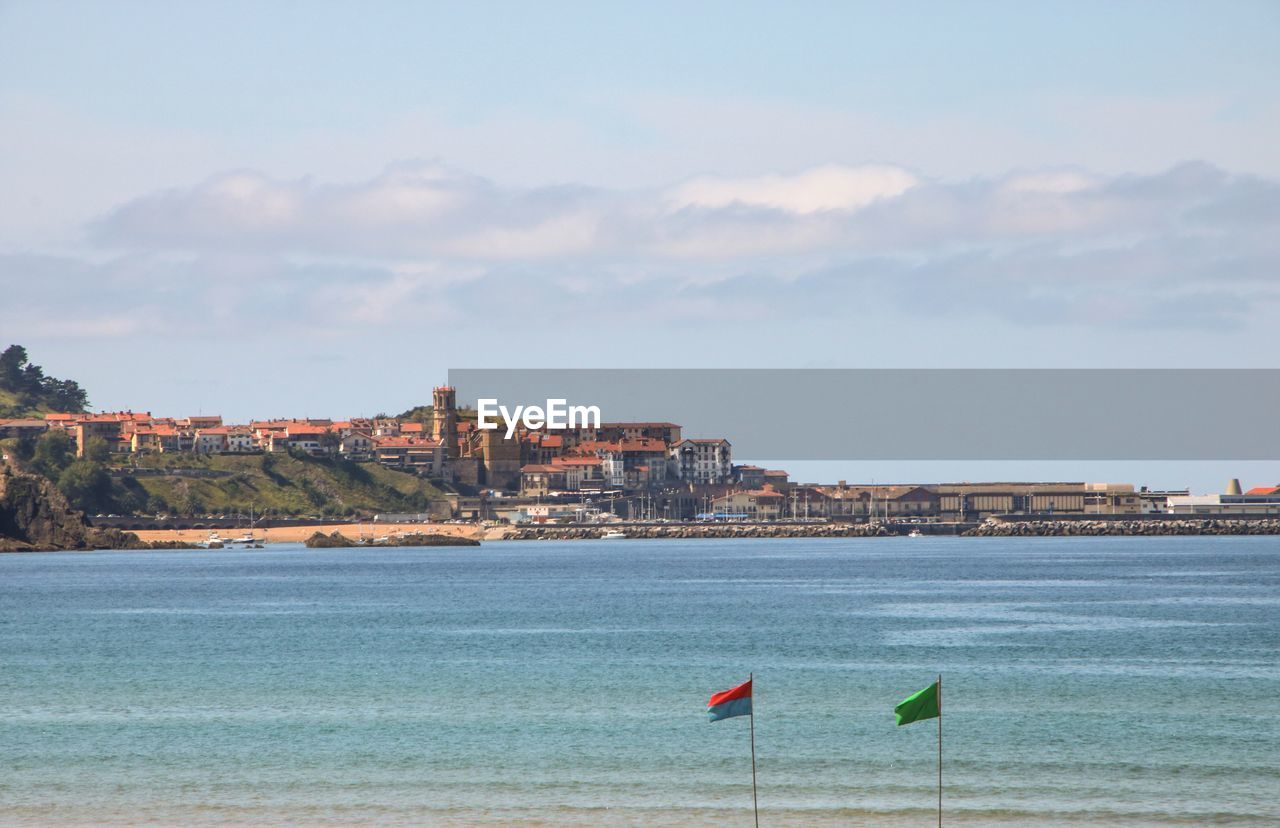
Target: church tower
x,y
444,418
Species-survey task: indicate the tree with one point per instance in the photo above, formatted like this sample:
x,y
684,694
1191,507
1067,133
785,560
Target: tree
x,y
12,361
65,395
97,450
86,485
190,504
54,452
34,390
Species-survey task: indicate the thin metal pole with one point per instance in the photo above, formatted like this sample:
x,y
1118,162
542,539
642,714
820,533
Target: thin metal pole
x,y
939,750
755,802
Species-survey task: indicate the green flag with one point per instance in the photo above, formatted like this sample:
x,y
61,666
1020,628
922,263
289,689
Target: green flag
x,y
917,706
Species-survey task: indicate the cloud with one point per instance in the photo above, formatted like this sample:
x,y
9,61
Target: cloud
x,y
822,188
423,243
426,209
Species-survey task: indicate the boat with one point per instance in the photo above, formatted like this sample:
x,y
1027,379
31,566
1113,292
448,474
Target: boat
x,y
246,539
613,535
915,533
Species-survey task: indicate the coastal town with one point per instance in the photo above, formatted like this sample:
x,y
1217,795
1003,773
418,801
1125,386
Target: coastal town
x,y
611,471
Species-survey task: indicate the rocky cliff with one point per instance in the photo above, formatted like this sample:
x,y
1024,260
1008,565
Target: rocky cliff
x,y
35,517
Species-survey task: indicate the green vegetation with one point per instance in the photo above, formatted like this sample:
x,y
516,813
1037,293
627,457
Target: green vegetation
x,y
272,484
84,481
190,484
424,413
26,392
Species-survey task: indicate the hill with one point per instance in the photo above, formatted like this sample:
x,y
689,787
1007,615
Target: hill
x,y
188,484
25,391
280,484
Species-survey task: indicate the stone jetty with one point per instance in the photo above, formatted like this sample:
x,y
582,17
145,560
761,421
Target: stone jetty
x,y
1094,528
990,529
702,530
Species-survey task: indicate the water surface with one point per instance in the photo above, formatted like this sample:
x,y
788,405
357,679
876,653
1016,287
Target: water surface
x,y
1087,681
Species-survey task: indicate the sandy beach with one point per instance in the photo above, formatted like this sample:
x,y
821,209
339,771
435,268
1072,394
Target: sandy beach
x,y
297,534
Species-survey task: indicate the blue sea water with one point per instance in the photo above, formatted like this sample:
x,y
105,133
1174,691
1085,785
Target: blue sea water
x,y
1086,681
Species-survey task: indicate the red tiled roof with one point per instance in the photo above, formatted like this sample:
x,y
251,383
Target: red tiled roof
x,y
577,461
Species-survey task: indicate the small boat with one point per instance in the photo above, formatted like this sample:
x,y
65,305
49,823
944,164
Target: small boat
x,y
248,539
915,533
614,535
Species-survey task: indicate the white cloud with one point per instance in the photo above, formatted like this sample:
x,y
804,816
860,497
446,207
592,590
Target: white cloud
x,y
829,187
425,243
1057,182
417,211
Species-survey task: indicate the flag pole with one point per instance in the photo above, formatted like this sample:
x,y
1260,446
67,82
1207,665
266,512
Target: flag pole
x,y
755,802
939,750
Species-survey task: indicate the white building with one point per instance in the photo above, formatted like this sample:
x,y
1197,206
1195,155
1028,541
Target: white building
x,y
613,470
239,440
356,445
702,461
1262,505
209,440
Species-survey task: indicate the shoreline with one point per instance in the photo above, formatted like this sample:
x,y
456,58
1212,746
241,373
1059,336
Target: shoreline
x,y
765,531
298,534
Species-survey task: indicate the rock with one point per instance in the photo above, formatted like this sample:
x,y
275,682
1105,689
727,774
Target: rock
x,y
35,517
1135,527
337,540
422,539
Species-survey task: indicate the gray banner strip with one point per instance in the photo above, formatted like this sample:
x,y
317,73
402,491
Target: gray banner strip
x,y
926,414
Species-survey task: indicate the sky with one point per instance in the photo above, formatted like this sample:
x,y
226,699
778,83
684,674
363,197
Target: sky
x,y
317,209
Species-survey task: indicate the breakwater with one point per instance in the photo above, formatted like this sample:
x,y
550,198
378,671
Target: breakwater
x,y
1096,528
989,529
711,530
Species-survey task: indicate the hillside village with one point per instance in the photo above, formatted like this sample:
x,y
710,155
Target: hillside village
x,y
634,470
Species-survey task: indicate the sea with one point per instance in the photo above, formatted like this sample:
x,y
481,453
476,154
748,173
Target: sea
x,y
1086,681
